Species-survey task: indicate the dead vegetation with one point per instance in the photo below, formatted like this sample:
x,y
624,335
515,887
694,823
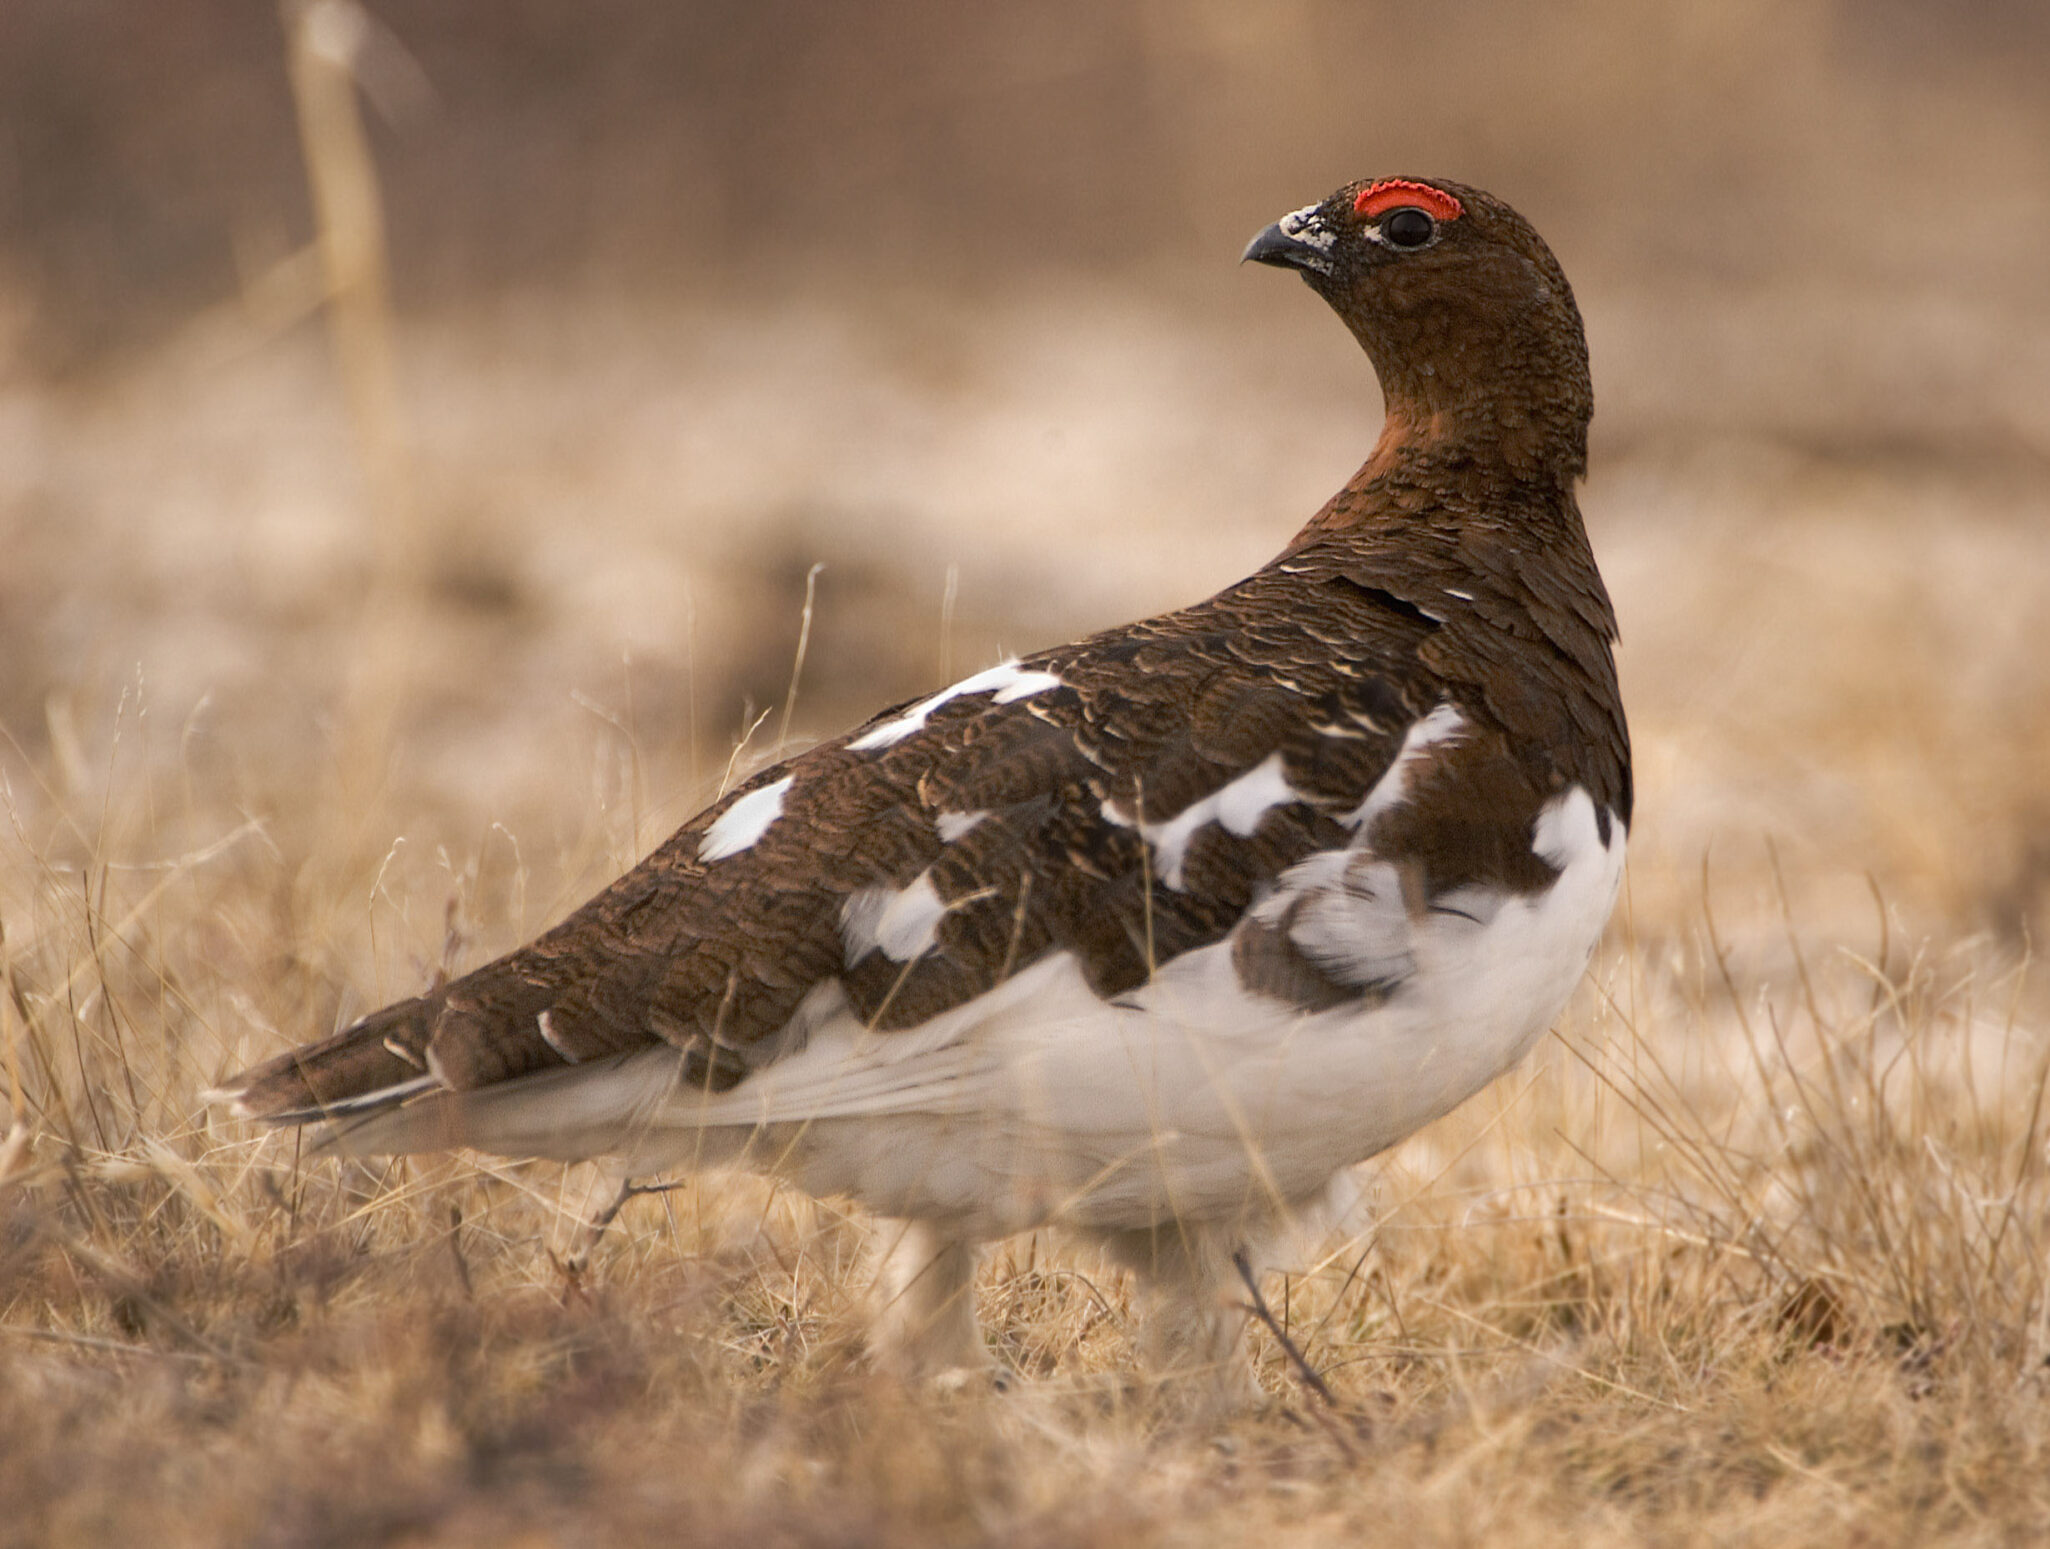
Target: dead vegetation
x,y
1753,1252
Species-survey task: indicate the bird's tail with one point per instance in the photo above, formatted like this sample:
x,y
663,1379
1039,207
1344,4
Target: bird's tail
x,y
376,1089
378,1063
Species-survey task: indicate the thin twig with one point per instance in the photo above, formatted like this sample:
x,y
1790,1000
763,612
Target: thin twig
x,y
1327,1416
1260,1310
811,581
595,1227
111,1346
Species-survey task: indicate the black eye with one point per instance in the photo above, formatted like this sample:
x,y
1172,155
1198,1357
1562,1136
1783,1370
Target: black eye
x,y
1408,227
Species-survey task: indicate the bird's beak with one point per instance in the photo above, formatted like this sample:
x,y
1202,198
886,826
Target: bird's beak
x,y
1297,241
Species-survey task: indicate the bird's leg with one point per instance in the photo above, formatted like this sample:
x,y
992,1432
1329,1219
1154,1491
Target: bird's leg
x,y
1193,1313
925,1323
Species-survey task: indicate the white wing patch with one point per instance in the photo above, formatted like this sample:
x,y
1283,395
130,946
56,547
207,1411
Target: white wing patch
x,y
1392,789
1007,681
955,825
1238,807
904,922
741,824
546,1023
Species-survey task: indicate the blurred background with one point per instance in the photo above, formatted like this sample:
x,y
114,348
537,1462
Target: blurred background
x,y
686,299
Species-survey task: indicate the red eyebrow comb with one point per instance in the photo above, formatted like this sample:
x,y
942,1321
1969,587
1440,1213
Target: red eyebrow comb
x,y
1390,192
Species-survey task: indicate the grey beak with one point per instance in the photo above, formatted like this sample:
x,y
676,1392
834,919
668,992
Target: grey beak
x,y
1274,246
1296,241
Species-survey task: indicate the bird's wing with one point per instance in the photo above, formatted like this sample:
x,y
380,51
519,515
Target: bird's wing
x,y
1125,799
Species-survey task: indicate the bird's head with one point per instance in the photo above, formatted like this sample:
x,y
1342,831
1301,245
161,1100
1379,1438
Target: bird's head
x,y
1462,308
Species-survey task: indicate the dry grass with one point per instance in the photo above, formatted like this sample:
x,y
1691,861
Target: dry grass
x,y
1753,1251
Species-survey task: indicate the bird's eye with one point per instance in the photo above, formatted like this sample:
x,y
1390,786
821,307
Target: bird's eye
x,y
1408,226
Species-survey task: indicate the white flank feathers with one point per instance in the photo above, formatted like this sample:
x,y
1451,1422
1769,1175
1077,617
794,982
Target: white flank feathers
x,y
1037,1100
904,923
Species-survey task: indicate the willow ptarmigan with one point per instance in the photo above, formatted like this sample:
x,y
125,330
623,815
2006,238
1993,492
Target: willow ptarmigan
x,y
1155,934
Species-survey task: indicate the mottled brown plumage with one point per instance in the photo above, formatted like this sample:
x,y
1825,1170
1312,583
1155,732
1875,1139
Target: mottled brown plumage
x,y
1150,717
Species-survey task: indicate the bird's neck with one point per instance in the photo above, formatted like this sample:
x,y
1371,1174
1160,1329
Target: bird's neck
x,y
1520,441
1472,381
1439,464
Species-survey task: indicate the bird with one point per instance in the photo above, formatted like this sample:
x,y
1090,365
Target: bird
x,y
1155,935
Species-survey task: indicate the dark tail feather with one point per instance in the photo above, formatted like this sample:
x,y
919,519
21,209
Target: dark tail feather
x,y
379,1061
